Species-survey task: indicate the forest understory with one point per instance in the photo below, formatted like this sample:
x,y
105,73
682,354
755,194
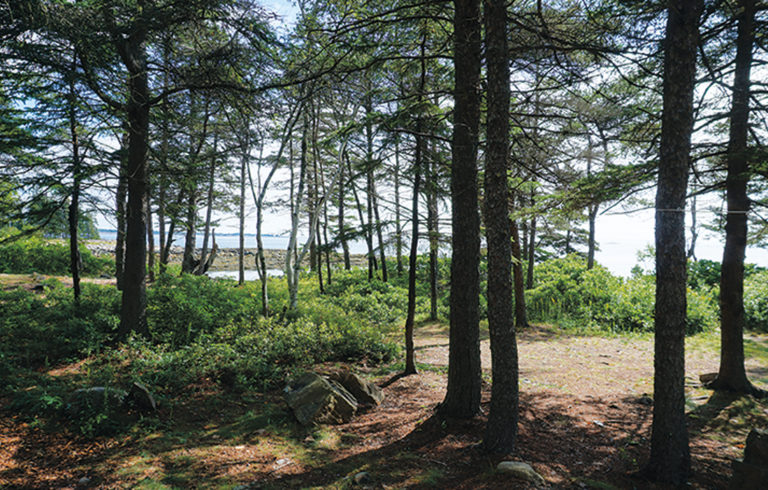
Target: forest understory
x,y
584,423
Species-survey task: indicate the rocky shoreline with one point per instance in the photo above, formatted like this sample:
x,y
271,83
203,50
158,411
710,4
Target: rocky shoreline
x,y
227,258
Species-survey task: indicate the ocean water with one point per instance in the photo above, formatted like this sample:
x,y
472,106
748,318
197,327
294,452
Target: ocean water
x,y
232,240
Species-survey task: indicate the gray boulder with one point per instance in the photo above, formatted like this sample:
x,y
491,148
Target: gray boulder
x,y
318,400
752,472
96,398
365,393
520,470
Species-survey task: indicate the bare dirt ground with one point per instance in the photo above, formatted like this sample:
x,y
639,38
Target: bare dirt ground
x,y
584,423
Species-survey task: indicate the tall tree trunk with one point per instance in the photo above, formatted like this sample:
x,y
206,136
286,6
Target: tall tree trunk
x,y
501,430
120,212
241,216
380,237
691,255
462,398
292,261
591,209
433,233
531,249
150,238
521,317
368,106
161,222
75,263
592,217
133,314
670,457
208,205
342,225
732,375
398,226
188,260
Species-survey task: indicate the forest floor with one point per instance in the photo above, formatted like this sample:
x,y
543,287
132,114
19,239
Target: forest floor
x,y
585,419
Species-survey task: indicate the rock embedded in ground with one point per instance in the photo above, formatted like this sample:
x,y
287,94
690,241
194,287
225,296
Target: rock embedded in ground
x,y
752,472
520,470
365,392
141,397
96,398
318,400
362,478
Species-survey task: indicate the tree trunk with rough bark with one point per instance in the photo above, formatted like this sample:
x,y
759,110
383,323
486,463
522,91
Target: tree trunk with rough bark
x,y
133,314
501,430
462,398
670,455
732,376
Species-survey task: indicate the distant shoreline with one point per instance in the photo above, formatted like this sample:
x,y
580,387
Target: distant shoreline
x,y
227,258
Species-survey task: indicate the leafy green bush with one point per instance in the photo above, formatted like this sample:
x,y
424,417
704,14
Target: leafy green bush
x,y
568,293
50,328
756,302
35,254
564,288
180,308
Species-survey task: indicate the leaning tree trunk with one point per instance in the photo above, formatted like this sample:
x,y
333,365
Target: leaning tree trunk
x,y
462,398
732,375
670,457
501,430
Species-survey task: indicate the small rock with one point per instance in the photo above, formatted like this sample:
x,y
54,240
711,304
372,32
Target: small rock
x,y
282,462
707,378
83,482
520,470
756,450
362,478
141,397
645,400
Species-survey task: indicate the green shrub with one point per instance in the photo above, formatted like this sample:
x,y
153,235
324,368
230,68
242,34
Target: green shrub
x,y
180,308
35,254
564,288
39,329
756,302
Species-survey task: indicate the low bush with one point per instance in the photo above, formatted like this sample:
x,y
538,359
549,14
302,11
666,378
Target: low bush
x,y
756,302
34,254
47,329
568,293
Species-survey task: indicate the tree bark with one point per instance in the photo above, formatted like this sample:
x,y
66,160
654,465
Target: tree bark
x,y
501,430
133,314
670,456
150,238
208,206
462,398
732,376
120,212
521,317
433,234
398,228
75,263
